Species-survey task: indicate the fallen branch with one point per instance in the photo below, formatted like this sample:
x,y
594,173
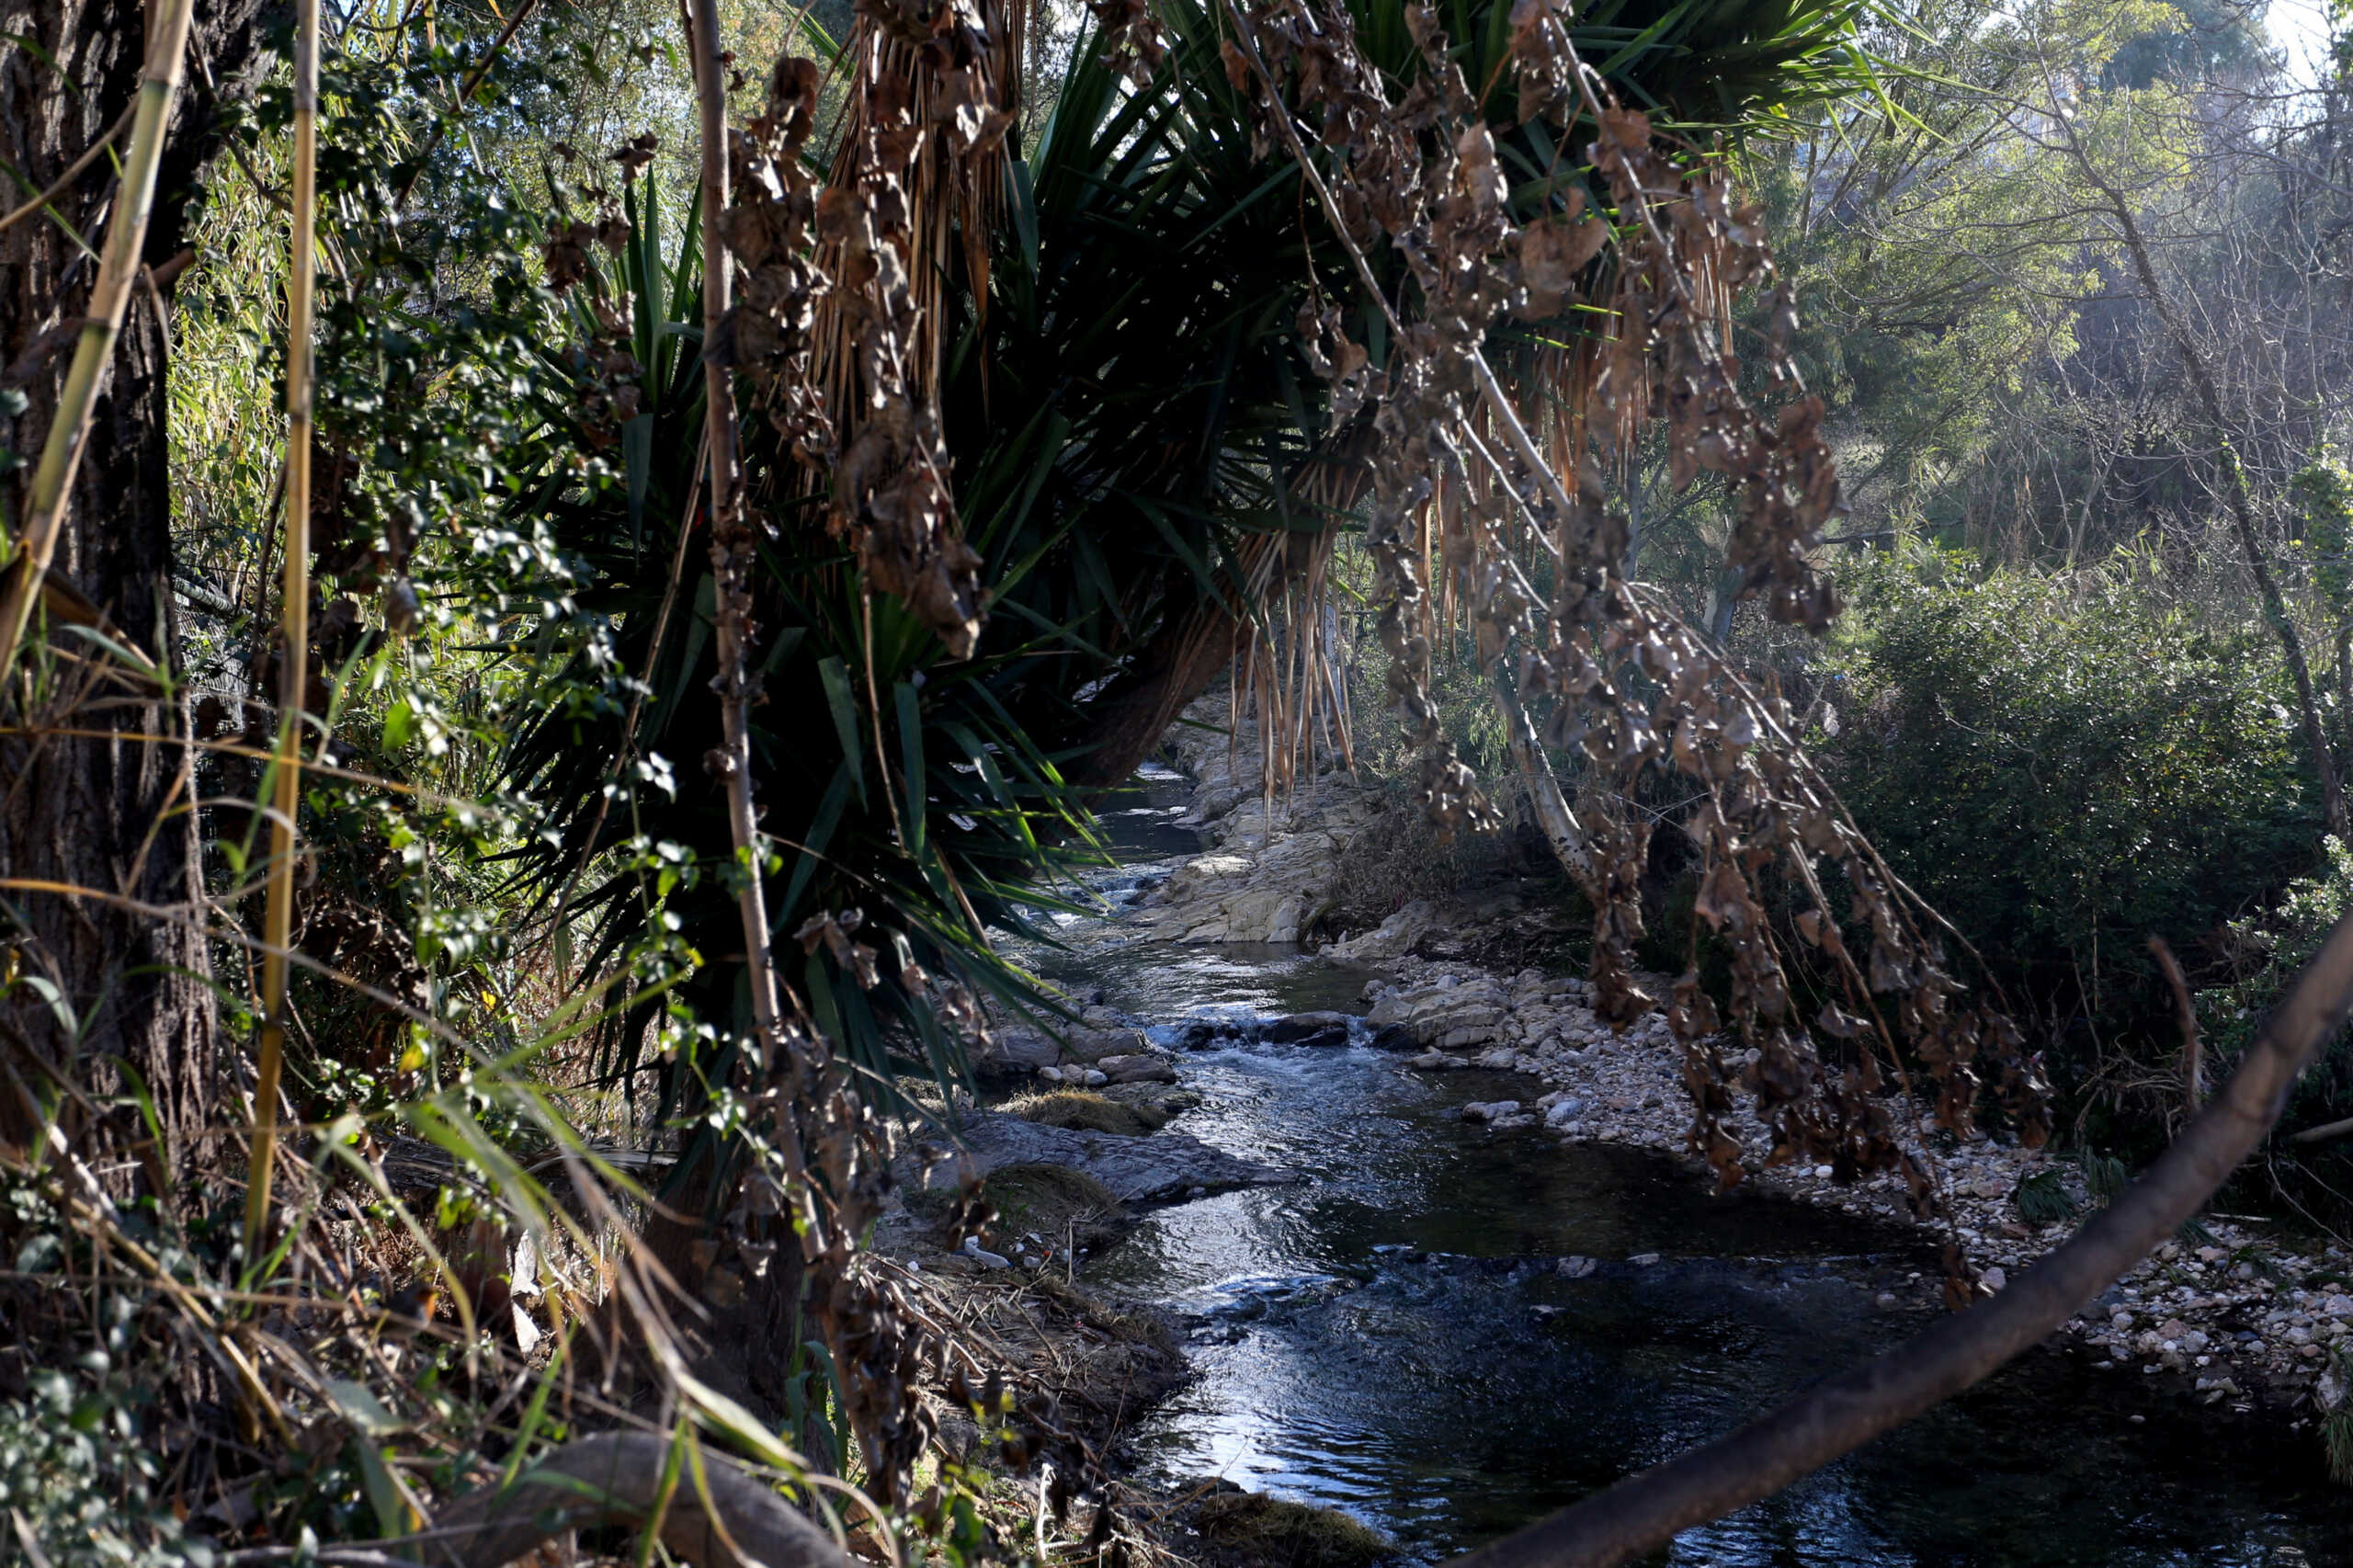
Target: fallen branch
x,y
2323,1132
733,1518
1843,1413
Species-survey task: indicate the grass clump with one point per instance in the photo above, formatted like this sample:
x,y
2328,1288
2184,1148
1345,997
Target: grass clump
x,y
1067,1208
1082,1111
1251,1529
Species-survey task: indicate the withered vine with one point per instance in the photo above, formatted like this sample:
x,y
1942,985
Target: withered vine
x,y
1657,251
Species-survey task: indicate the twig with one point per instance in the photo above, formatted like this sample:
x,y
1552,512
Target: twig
x,y
1843,1413
2185,1012
2323,1132
73,171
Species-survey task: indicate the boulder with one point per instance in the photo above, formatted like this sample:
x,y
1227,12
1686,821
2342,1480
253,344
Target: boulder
x,y
1254,889
1143,1068
1392,939
1490,1110
1158,1167
1017,1053
1307,1029
1447,1016
1094,1045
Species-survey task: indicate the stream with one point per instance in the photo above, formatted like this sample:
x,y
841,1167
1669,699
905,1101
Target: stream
x,y
1448,1333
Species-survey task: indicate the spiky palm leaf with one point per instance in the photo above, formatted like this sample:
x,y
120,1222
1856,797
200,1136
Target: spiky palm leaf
x,y
1134,429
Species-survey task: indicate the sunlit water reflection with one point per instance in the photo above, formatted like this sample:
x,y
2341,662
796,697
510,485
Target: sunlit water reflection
x,y
1398,1335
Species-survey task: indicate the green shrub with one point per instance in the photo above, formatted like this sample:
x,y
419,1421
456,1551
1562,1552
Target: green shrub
x,y
2064,767
77,1476
2275,947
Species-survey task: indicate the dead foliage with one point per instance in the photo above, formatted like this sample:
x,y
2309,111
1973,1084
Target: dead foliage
x,y
1465,496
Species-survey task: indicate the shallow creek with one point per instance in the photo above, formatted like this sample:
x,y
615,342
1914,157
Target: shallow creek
x,y
1398,1334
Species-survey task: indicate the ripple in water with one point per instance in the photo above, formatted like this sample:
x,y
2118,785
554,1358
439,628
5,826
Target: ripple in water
x,y
1396,1336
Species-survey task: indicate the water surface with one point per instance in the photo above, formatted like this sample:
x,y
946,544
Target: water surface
x,y
1398,1334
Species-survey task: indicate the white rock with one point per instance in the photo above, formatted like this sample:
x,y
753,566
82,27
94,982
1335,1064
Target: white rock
x,y
973,1250
1995,1279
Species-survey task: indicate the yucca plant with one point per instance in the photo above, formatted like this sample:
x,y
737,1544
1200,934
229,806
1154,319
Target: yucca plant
x,y
856,704
1137,437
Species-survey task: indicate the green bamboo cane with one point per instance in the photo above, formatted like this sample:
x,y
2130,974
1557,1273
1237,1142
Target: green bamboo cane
x,y
109,297
278,916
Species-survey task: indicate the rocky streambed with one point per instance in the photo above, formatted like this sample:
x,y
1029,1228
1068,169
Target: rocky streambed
x,y
1438,1260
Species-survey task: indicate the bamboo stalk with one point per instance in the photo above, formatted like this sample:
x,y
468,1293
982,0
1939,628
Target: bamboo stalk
x,y
294,618
109,297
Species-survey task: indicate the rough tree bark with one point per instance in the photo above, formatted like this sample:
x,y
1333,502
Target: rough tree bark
x,y
1126,723
99,812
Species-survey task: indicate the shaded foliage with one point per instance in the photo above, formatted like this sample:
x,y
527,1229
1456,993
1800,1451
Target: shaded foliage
x,y
2065,768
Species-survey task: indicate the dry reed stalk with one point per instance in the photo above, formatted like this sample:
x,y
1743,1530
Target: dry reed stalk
x,y
731,536
277,915
946,193
101,325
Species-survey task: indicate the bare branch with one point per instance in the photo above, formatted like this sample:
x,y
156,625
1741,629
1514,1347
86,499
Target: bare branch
x,y
1843,1413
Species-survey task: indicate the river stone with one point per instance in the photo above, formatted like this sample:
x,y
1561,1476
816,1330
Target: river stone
x,y
1490,1110
1138,1068
1157,1167
1094,1045
1392,939
1307,1029
1437,1061
1016,1053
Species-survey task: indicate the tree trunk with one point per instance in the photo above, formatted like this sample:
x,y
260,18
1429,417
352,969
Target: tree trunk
x,y
109,813
1125,724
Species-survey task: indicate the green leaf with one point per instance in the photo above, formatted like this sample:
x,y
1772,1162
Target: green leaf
x,y
835,675
910,762
359,1406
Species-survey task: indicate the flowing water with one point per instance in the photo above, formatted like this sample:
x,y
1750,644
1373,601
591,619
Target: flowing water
x,y
1399,1335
